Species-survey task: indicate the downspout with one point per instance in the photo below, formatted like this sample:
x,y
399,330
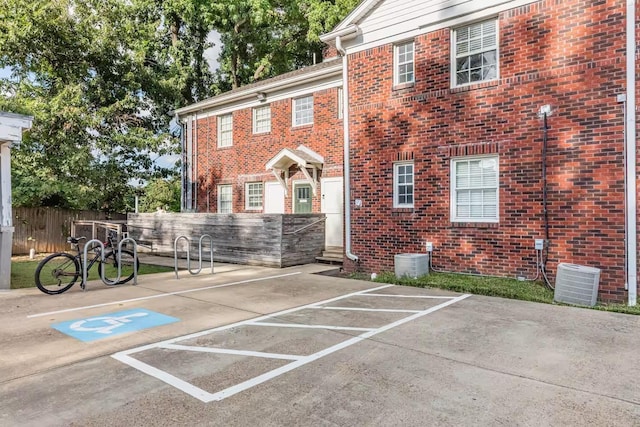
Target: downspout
x,y
194,163
347,170
630,166
183,155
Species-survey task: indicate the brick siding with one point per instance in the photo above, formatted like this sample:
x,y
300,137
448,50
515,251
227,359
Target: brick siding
x,y
245,161
569,54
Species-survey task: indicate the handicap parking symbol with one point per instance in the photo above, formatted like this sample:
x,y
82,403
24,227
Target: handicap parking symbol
x,y
111,324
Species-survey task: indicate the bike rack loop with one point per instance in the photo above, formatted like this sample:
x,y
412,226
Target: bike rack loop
x,y
104,279
175,253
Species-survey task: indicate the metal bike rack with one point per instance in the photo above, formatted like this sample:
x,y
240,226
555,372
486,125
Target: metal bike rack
x,y
175,253
104,279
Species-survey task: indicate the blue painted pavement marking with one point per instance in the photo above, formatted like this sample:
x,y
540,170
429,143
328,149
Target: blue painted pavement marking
x,y
111,324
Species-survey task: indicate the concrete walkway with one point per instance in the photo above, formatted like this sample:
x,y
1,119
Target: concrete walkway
x,y
260,346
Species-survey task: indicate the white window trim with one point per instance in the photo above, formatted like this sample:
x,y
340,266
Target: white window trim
x,y
452,50
220,197
293,111
396,63
247,205
396,195
220,118
255,120
453,199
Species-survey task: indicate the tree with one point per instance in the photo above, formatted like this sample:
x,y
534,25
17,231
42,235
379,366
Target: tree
x,y
85,70
161,194
264,38
100,76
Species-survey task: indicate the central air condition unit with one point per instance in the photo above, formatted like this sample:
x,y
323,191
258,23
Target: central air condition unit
x,y
412,265
577,284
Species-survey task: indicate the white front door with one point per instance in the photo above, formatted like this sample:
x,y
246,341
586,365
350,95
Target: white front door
x,y
332,202
273,197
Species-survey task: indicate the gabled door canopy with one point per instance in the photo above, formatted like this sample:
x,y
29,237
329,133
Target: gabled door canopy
x,y
308,161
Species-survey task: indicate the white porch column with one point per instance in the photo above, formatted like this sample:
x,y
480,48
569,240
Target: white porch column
x,y
11,127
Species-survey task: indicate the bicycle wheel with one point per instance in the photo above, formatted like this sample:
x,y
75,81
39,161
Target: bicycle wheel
x,y
57,273
111,266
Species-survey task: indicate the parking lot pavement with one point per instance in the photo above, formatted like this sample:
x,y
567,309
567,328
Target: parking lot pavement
x,y
289,347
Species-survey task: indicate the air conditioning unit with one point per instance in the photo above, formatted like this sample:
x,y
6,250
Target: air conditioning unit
x,y
577,284
412,265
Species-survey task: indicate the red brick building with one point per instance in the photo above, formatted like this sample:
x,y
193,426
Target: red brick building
x,y
477,126
270,147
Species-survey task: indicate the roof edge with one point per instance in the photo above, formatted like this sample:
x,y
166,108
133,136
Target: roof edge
x,y
265,86
347,32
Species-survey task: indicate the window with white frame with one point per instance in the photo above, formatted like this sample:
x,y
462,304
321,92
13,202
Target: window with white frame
x,y
262,119
475,49
303,111
225,199
225,130
474,189
253,196
404,67
403,185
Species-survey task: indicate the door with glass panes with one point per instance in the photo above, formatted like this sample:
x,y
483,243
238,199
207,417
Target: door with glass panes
x,y
302,198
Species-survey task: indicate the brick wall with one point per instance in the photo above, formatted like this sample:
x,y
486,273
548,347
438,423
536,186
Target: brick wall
x,y
569,54
245,161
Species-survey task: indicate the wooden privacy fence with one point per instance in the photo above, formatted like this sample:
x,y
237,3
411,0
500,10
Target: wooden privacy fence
x,y
47,229
273,240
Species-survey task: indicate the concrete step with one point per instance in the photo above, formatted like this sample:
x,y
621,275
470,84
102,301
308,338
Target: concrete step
x,y
330,260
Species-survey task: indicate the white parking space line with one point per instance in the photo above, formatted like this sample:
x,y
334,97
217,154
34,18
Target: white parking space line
x,y
168,294
407,296
205,396
384,310
298,325
234,352
248,321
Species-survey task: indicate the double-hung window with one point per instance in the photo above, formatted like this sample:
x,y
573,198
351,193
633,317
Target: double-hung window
x,y
303,111
475,49
262,119
225,199
253,196
404,66
225,130
403,179
474,189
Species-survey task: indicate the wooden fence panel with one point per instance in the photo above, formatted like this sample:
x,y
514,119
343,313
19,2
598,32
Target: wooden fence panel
x,y
46,229
273,240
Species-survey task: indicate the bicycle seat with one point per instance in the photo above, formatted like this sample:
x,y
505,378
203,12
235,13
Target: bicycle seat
x,y
75,240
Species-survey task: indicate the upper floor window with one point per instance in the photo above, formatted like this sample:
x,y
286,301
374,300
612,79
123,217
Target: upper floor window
x,y
474,189
262,119
253,196
225,199
225,130
404,68
403,185
475,52
303,111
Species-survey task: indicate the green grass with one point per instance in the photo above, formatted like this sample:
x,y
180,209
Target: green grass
x,y
23,273
490,286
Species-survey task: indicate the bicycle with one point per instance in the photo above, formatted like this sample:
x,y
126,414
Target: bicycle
x,y
59,271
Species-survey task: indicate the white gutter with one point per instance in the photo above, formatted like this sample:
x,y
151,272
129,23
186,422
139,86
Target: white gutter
x,y
630,167
347,170
345,32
